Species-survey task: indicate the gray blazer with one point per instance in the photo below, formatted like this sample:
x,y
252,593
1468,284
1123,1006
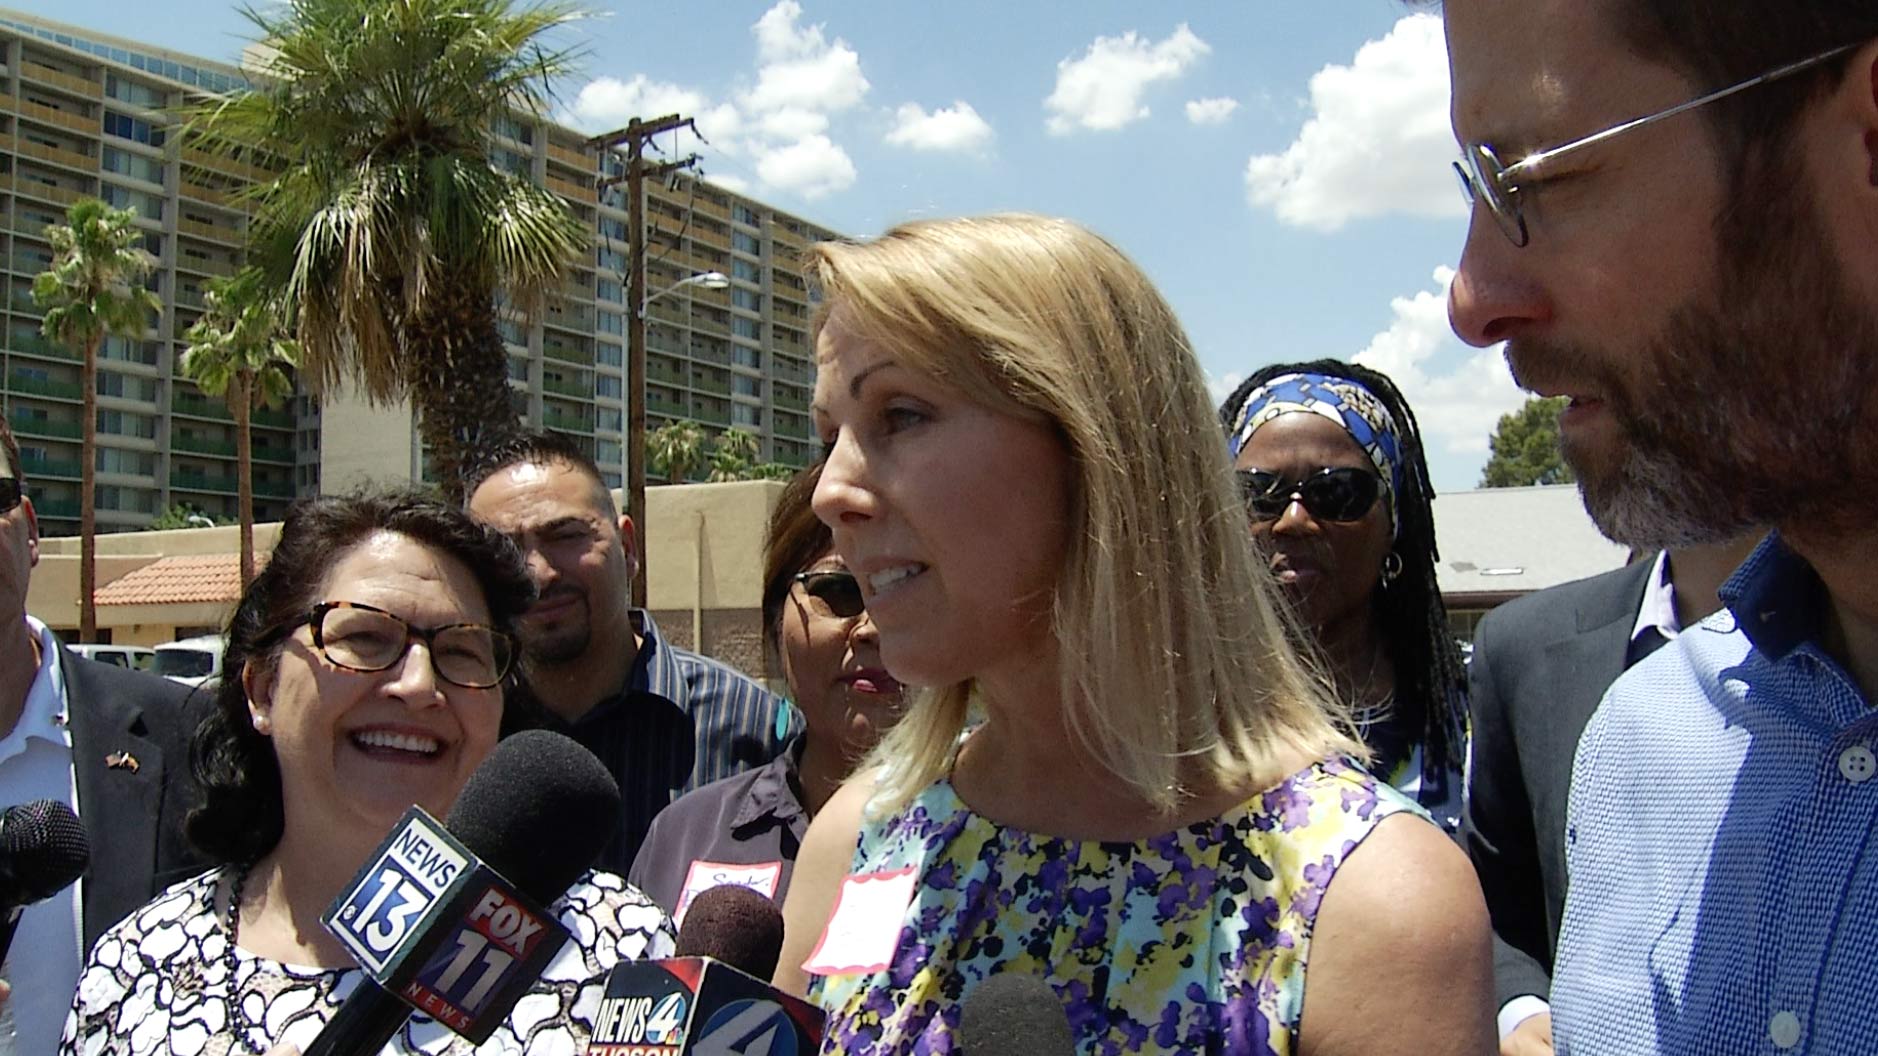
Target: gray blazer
x,y
1541,664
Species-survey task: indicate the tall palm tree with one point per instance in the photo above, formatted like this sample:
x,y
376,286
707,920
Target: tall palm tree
x,y
93,289
389,228
240,350
677,448
733,455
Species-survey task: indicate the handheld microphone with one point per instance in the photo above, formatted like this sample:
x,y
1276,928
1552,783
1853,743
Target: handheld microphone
x,y
714,996
1014,1013
449,919
42,852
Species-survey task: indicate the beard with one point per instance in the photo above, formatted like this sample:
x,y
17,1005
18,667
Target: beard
x,y
565,641
1752,408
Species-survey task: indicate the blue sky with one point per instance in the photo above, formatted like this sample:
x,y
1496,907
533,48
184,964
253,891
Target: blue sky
x,y
1280,169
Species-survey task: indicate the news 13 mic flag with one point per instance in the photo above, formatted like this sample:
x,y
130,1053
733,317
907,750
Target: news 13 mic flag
x,y
692,1006
431,923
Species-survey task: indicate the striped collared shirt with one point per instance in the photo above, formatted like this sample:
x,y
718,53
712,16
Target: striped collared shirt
x,y
1719,838
682,721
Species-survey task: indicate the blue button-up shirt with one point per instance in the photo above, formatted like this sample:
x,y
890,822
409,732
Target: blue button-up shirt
x,y
1720,841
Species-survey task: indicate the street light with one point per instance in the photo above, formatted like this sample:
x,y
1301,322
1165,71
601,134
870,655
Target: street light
x,y
636,399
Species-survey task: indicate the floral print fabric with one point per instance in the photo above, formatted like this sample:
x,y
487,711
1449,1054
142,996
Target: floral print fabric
x,y
157,984
1192,941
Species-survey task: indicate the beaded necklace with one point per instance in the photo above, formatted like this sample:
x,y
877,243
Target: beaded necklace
x,y
233,925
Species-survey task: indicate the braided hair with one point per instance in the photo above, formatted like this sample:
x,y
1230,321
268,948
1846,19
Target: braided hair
x,y
1430,686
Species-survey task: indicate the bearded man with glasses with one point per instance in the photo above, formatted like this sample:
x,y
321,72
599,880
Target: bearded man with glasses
x,y
1675,225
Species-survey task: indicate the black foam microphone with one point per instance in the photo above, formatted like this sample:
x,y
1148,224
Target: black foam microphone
x,y
448,919
42,852
1014,1013
736,925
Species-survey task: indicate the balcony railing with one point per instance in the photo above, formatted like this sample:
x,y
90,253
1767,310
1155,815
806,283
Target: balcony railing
x,y
195,446
71,159
56,509
212,232
200,407
569,388
62,468
59,390
30,425
54,116
566,422
47,75
579,192
568,353
48,192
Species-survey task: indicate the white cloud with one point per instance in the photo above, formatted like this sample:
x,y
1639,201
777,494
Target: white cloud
x,y
1377,140
811,167
1458,393
731,183
1210,111
1102,90
1221,387
956,127
800,68
778,119
606,103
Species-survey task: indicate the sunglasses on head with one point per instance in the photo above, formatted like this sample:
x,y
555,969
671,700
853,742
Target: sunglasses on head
x,y
837,594
10,493
1345,493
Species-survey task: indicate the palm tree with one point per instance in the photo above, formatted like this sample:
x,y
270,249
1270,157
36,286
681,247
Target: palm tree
x,y
734,455
240,350
93,289
389,228
677,449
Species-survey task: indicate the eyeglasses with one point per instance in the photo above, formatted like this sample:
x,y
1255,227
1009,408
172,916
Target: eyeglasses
x,y
1341,494
836,594
1485,178
10,493
361,638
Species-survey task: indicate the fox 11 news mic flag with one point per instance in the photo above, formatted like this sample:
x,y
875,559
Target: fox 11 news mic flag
x,y
449,919
714,997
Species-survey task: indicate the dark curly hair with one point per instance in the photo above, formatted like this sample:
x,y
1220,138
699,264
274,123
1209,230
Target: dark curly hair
x,y
1430,683
240,817
797,539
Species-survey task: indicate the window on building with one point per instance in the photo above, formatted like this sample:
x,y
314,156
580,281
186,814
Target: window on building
x,y
608,419
744,414
609,290
124,423
743,214
606,385
608,355
745,356
119,460
747,270
128,91
135,129
749,300
608,323
746,243
148,206
746,328
606,450
746,385
126,386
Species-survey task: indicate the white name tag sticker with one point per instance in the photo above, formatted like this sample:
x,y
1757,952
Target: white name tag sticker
x,y
864,929
761,878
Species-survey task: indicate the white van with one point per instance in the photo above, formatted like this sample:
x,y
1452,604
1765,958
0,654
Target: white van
x,y
136,657
191,661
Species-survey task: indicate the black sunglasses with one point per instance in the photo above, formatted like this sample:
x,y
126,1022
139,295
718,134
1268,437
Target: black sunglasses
x,y
836,592
10,493
1345,493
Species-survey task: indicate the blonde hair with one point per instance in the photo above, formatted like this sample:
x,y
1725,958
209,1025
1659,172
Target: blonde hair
x,y
1173,644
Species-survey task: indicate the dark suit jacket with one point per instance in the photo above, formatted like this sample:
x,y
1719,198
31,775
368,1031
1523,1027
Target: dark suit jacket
x,y
132,811
1541,664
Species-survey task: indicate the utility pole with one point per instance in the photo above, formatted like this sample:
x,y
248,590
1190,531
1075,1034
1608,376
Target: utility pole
x,y
634,138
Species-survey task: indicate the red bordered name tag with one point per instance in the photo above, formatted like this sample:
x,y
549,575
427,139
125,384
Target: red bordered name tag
x,y
864,929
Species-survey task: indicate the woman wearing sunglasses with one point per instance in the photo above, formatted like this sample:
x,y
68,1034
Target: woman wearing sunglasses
x,y
748,829
1329,462
1117,775
367,662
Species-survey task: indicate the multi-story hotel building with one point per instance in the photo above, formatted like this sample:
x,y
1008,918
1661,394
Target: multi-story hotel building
x,y
87,114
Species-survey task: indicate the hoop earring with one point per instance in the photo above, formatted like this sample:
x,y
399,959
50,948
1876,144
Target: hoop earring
x,y
1391,568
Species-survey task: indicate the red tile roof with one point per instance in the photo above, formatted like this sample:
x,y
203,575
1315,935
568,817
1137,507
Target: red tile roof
x,y
177,580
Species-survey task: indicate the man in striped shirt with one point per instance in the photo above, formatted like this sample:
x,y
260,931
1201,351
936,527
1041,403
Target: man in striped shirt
x,y
665,720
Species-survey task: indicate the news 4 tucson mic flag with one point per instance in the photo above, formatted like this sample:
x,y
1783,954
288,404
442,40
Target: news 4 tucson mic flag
x,y
690,1006
431,923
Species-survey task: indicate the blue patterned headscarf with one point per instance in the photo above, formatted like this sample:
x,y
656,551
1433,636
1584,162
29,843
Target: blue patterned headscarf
x,y
1350,405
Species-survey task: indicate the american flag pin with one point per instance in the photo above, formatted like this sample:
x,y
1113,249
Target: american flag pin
x,y
122,761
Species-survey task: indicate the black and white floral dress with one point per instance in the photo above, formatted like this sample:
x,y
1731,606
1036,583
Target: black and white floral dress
x,y
157,984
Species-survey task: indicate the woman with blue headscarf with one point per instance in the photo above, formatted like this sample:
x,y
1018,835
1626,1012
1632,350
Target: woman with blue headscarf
x,y
1329,460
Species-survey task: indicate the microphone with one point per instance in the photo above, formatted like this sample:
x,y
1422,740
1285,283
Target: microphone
x,y
449,919
714,996
1014,1013
42,852
736,925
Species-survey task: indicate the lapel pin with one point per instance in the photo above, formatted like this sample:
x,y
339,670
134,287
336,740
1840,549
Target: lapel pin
x,y
122,761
